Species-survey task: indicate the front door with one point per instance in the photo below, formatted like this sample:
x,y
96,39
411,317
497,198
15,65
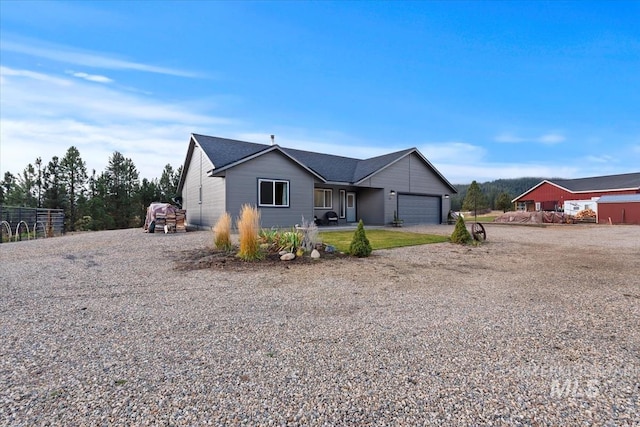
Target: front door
x,y
351,207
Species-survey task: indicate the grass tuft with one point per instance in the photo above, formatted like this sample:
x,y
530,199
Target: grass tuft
x,y
248,230
222,232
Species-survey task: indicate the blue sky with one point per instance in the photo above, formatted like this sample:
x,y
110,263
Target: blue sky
x,y
485,90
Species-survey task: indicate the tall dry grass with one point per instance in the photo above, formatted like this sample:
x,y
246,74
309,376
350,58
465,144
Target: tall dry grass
x,y
248,230
222,232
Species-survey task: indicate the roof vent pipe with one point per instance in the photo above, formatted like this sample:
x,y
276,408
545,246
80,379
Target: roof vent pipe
x,y
273,137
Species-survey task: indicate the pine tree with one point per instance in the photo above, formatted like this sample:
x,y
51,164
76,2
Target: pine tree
x,y
73,173
54,190
475,199
360,245
503,201
168,184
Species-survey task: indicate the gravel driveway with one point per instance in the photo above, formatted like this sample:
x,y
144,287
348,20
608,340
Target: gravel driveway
x,y
538,326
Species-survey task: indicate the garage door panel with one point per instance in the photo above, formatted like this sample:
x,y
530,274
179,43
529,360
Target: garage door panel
x,y
416,209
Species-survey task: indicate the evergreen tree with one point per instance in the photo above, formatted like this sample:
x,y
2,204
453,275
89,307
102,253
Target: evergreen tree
x,y
168,183
96,205
74,178
149,192
360,245
475,200
26,189
460,233
54,190
122,185
12,191
39,182
503,201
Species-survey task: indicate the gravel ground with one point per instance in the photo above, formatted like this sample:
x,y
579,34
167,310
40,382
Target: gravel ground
x,y
536,327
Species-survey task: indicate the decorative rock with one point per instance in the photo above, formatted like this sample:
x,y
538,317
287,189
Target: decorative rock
x,y
283,253
330,249
288,256
315,254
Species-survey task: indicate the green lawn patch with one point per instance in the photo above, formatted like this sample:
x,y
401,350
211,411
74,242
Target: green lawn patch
x,y
380,239
481,218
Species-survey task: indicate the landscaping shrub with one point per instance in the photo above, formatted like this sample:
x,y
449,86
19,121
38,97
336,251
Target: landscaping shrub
x,y
460,234
222,232
360,245
290,241
310,236
248,229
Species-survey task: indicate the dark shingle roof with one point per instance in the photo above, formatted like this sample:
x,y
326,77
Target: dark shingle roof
x,y
600,183
225,152
330,167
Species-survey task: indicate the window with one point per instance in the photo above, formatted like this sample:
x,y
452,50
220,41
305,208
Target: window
x,y
272,192
322,198
342,203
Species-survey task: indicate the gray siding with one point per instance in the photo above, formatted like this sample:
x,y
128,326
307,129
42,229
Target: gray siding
x,y
369,204
242,187
410,175
206,212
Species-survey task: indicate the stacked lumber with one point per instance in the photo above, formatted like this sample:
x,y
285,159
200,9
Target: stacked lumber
x,y
181,215
166,218
586,214
161,221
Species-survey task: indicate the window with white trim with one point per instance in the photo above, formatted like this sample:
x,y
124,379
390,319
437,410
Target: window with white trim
x,y
342,202
273,192
322,198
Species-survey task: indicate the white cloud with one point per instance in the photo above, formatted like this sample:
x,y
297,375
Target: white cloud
x,y
91,77
75,56
42,116
548,138
10,72
600,159
459,152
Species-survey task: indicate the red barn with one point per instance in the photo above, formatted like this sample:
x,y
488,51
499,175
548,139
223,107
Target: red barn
x,y
550,195
622,209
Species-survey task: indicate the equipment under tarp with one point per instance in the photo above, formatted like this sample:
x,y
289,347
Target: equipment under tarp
x,y
164,217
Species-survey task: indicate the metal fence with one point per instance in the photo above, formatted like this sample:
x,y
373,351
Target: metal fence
x,y
18,223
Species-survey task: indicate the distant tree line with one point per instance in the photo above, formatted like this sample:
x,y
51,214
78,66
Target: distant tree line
x,y
115,198
494,195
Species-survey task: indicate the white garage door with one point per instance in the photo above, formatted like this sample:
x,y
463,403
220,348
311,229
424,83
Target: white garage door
x,y
415,209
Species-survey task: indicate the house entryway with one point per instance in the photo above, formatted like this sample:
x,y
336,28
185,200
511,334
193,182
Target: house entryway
x,y
351,207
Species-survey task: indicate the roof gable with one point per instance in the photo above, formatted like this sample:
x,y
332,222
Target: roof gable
x,y
368,167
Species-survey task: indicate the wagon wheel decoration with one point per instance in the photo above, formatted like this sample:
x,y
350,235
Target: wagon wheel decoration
x,y
478,232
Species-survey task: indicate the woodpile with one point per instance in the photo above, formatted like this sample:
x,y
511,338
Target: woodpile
x,y
586,214
172,222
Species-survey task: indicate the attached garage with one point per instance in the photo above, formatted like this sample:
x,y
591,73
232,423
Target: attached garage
x,y
419,209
